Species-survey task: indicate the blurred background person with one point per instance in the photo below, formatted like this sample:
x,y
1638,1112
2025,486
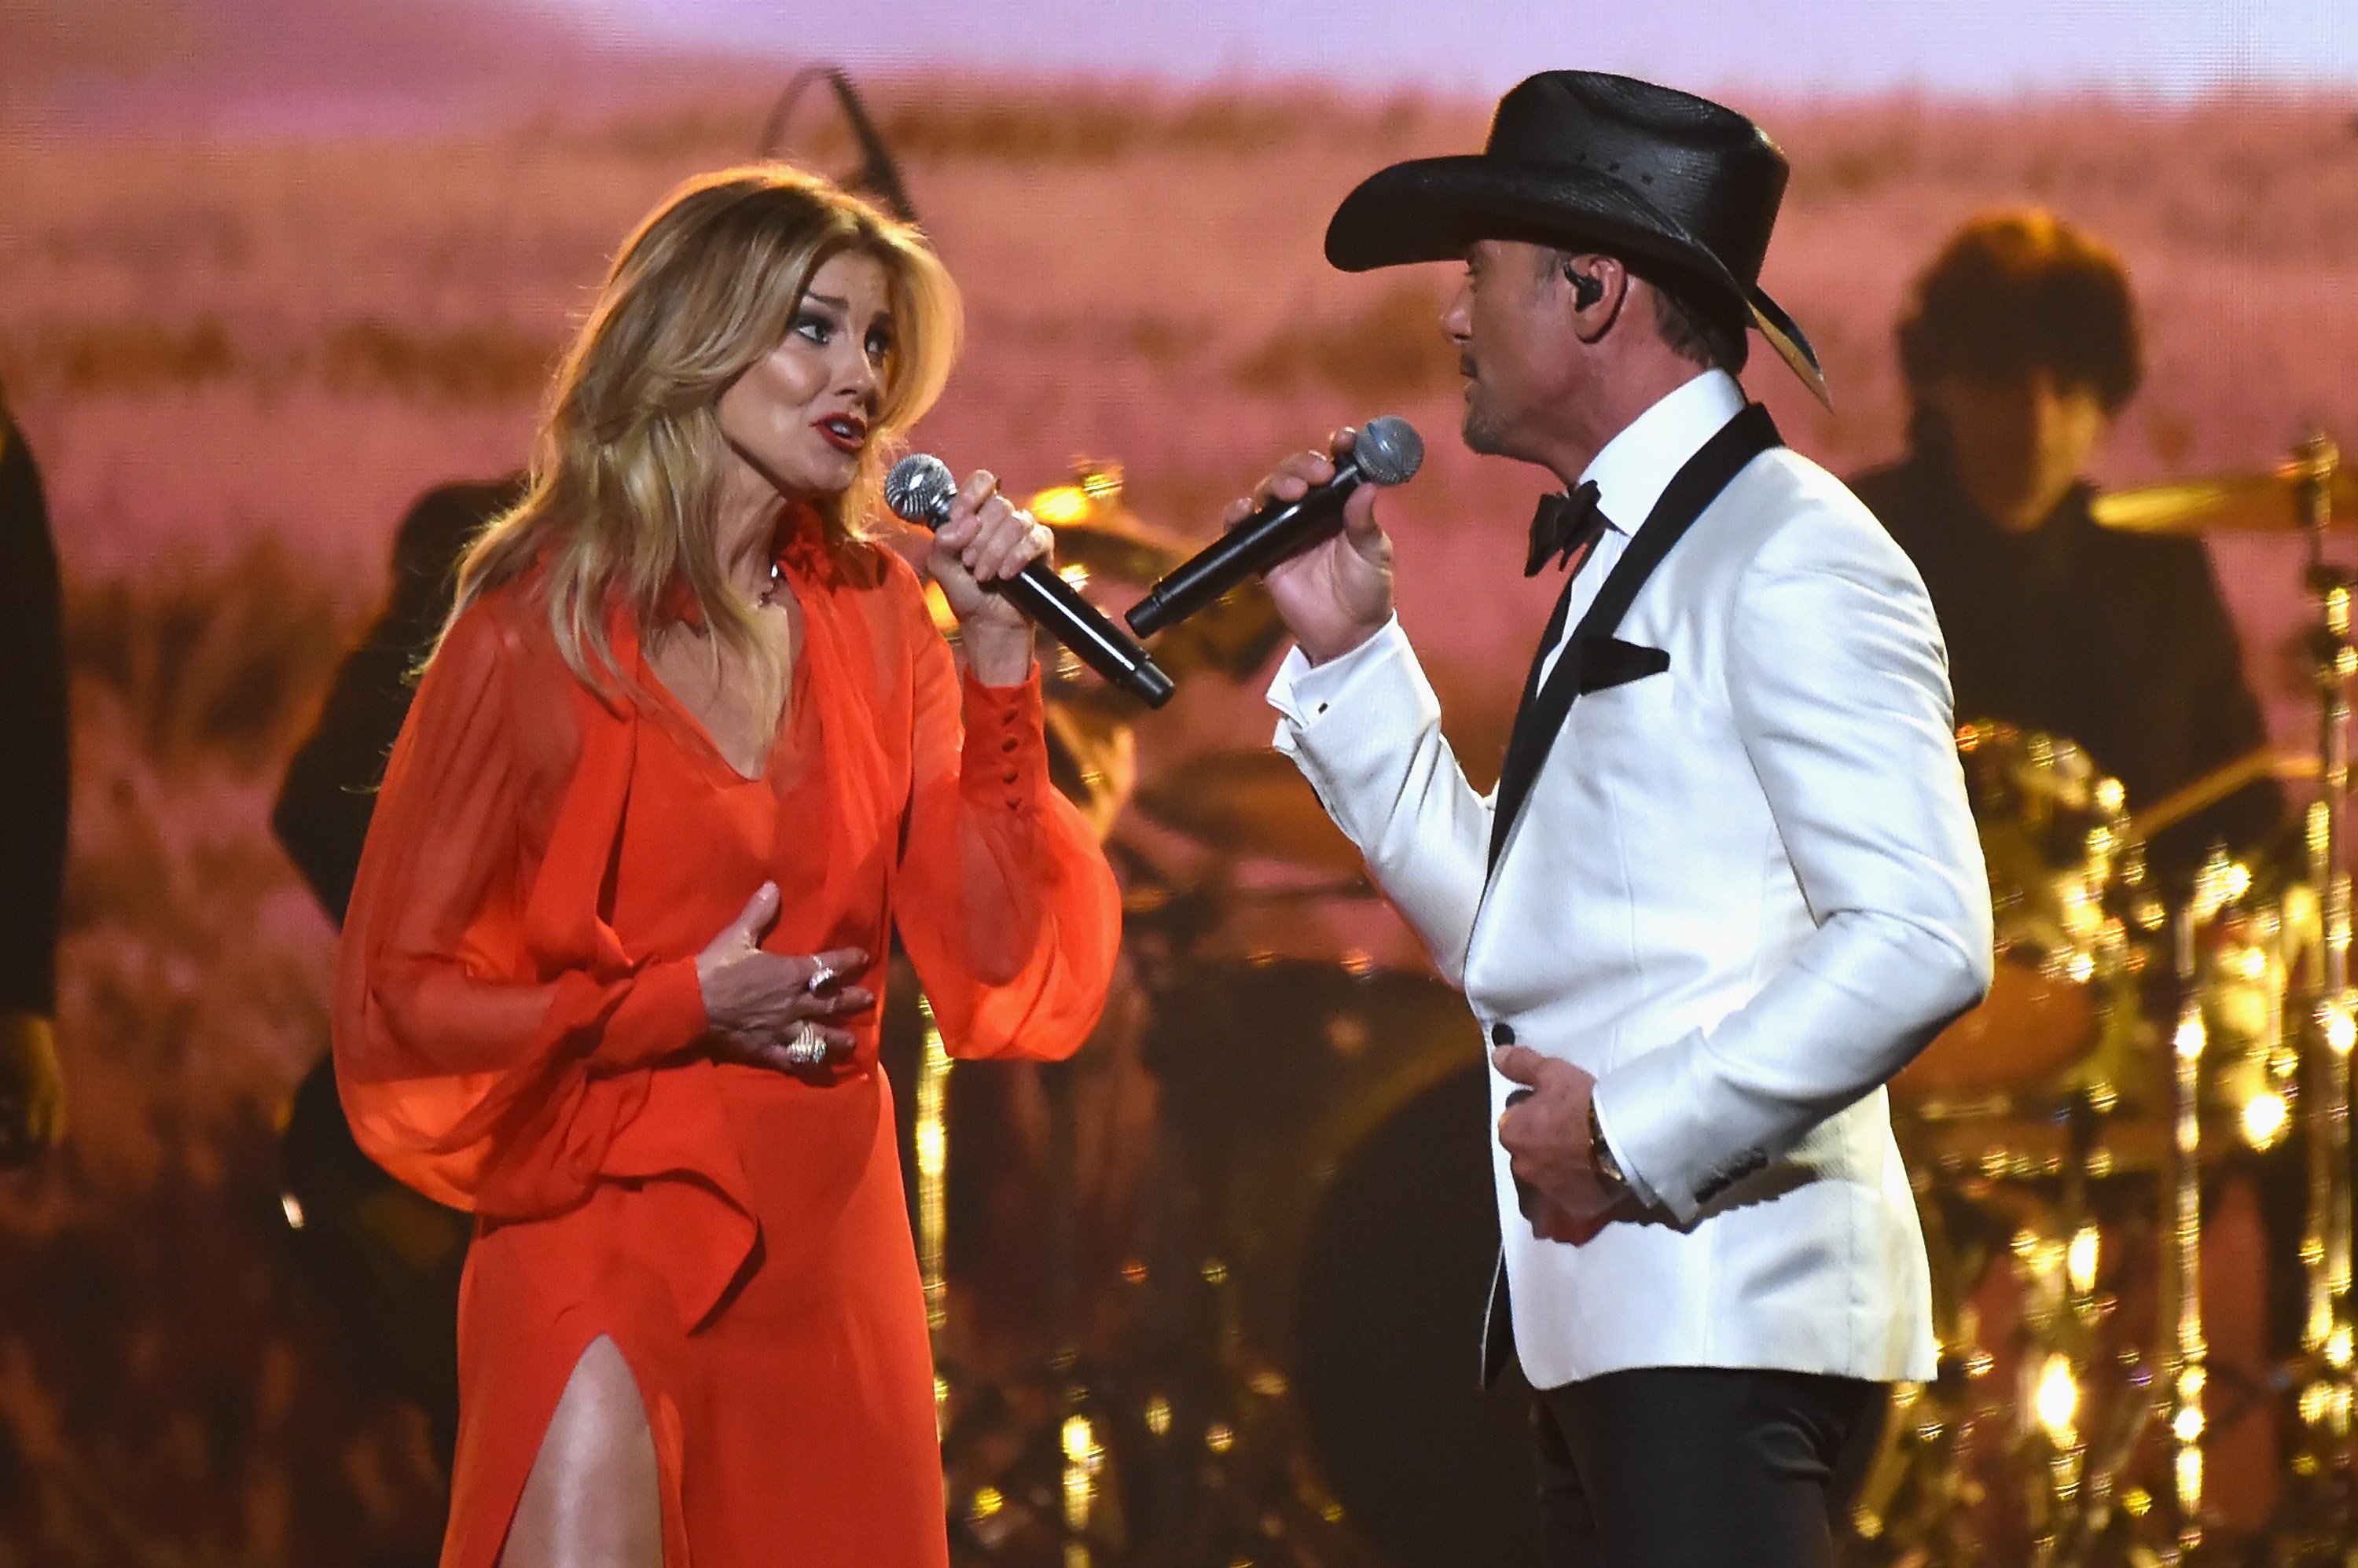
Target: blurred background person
x,y
34,770
2019,349
386,1256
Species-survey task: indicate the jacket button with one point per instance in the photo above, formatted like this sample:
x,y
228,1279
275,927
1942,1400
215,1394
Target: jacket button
x,y
1502,1035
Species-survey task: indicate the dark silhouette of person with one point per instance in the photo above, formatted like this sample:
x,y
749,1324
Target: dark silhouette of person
x,y
388,1259
35,775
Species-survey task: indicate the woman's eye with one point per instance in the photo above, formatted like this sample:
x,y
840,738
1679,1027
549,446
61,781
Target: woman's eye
x,y
816,329
880,346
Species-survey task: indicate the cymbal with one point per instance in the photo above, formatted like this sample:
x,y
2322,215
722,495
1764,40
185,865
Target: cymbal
x,y
1250,803
2252,503
1096,533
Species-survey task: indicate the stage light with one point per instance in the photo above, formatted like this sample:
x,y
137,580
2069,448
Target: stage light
x,y
2264,1117
1081,1443
2079,1263
2341,1029
2190,1035
1083,1457
1062,506
2057,1400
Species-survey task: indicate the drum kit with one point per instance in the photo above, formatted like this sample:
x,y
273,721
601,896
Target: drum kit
x,y
1291,1376
2133,1050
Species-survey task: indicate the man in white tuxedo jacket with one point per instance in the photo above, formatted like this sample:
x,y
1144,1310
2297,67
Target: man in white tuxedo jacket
x,y
1729,882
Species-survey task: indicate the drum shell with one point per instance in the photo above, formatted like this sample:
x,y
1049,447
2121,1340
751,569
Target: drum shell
x,y
1334,1126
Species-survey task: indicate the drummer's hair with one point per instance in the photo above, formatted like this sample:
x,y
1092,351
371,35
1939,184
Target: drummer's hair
x,y
2018,290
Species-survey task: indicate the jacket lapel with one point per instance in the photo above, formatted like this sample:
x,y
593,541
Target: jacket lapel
x,y
1595,659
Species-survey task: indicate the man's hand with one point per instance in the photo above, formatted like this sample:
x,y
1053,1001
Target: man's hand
x,y
1337,593
1545,1134
32,1088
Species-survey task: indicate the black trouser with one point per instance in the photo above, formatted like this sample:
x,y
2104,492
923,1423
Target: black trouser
x,y
1701,1467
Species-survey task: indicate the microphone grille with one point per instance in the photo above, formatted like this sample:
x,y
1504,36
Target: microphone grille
x,y
919,489
1389,451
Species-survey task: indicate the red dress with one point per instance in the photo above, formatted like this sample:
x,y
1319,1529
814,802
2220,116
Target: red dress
x,y
516,1025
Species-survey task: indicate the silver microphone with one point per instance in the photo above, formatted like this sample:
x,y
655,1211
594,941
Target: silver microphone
x,y
920,488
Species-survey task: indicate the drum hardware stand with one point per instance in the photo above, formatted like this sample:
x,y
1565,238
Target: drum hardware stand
x,y
2321,1521
2088,1500
933,1197
2325,1401
2078,1475
2185,1360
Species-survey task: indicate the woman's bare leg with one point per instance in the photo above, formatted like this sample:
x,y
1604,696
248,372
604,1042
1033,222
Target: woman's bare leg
x,y
592,1500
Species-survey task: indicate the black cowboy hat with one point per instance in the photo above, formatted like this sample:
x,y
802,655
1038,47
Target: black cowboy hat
x,y
1673,184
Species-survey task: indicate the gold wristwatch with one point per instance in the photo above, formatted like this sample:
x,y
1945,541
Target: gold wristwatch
x,y
1600,1155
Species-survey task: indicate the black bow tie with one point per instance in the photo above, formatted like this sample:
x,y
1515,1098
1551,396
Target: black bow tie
x,y
1564,526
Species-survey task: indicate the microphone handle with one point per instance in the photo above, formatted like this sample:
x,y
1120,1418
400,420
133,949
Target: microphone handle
x,y
1252,547
1050,602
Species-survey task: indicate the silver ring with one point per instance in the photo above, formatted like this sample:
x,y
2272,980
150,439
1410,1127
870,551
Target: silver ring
x,y
821,978
808,1047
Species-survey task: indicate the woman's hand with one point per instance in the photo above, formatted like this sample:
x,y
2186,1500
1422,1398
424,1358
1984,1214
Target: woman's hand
x,y
989,538
759,1006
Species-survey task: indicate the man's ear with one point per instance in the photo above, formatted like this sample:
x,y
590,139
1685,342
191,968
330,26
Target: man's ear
x,y
1599,284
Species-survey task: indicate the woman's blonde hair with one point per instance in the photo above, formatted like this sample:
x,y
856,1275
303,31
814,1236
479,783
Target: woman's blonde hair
x,y
623,505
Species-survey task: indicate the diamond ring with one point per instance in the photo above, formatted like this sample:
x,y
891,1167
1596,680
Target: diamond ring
x,y
808,1047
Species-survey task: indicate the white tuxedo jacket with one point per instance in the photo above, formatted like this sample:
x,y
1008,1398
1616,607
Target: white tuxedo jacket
x,y
1743,893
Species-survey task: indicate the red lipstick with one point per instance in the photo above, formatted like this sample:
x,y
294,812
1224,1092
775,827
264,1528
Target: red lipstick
x,y
844,432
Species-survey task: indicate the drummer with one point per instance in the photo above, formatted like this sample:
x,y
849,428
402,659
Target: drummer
x,y
2019,349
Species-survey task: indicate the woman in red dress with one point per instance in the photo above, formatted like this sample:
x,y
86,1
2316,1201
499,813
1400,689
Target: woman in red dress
x,y
688,753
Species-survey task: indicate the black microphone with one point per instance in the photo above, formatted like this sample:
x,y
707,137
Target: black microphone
x,y
920,488
1389,452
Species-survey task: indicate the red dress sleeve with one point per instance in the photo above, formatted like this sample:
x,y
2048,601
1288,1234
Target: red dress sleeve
x,y
1005,901
490,1035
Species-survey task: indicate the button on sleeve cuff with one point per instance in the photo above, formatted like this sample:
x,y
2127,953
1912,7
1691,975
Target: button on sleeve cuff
x,y
1006,758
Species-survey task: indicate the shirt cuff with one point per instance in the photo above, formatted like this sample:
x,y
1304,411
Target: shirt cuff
x,y
661,1016
1302,691
1006,758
